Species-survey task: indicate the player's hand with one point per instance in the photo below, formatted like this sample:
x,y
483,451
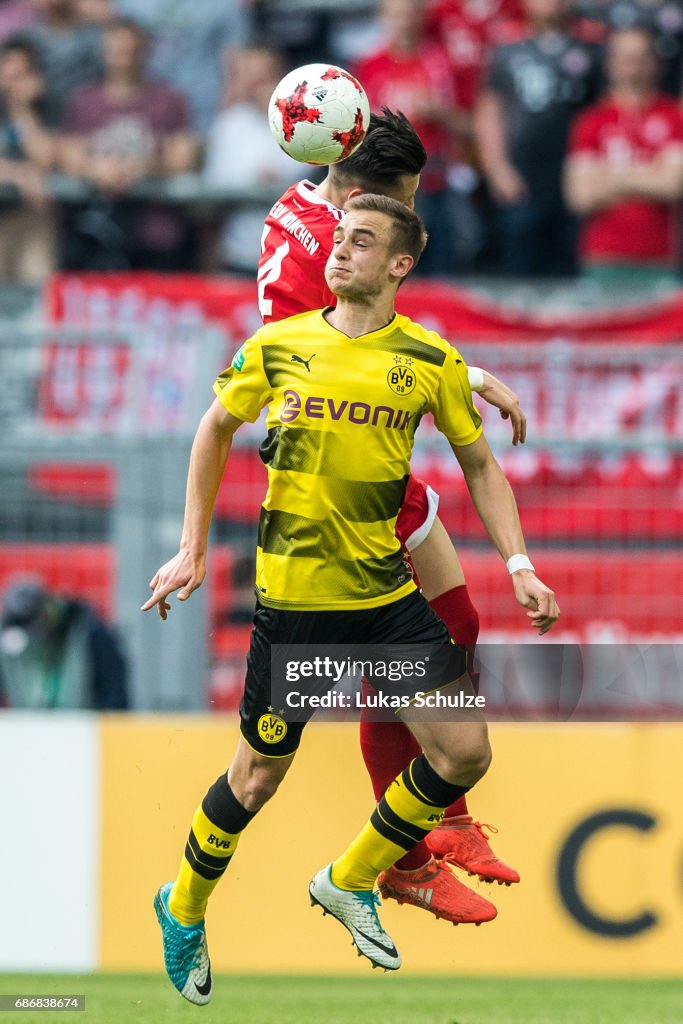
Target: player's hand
x,y
184,573
539,599
498,394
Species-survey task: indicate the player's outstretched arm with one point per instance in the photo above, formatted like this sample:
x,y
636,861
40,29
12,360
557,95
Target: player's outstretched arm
x,y
496,506
187,569
498,394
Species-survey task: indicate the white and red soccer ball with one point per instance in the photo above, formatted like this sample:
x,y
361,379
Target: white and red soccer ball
x,y
319,114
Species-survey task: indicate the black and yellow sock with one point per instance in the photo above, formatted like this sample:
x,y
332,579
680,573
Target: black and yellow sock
x,y
411,807
212,841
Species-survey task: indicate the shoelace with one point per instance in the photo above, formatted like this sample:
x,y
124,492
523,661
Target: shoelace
x,y
450,858
481,825
188,948
369,901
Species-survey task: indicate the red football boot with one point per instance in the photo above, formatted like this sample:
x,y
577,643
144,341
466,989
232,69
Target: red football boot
x,y
461,842
435,888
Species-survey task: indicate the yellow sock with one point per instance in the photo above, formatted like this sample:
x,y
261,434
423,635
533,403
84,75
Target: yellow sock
x,y
403,817
216,827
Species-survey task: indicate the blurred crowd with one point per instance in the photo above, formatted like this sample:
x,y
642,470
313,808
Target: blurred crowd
x,y
57,652
554,129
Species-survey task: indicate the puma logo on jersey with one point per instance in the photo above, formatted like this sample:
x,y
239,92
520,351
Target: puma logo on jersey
x,y
298,359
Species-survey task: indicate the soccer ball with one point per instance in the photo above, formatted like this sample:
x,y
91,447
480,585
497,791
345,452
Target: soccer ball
x,y
319,114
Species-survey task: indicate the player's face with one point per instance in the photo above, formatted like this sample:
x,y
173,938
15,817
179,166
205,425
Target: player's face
x,y
361,260
404,189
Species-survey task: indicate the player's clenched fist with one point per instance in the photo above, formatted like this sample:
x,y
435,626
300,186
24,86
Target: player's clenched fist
x,y
184,573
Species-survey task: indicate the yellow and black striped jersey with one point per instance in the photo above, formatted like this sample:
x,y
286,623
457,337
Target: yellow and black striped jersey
x,y
342,416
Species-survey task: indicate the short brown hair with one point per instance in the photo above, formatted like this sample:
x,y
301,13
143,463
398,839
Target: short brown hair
x,y
408,231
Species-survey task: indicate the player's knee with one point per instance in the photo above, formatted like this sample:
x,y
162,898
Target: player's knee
x,y
466,761
480,759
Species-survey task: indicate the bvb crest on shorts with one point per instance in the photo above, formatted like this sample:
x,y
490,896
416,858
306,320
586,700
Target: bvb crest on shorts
x,y
272,728
401,378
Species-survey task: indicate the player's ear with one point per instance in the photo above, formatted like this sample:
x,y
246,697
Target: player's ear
x,y
352,193
403,263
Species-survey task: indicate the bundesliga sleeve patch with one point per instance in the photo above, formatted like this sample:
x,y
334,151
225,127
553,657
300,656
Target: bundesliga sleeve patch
x,y
238,359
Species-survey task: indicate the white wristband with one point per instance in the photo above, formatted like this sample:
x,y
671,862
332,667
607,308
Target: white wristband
x,y
517,562
475,375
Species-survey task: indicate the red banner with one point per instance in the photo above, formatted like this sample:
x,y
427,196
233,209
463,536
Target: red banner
x,y
159,317
458,313
565,388
158,300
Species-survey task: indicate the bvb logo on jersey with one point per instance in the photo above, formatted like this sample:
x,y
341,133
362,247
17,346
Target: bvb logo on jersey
x,y
401,377
272,728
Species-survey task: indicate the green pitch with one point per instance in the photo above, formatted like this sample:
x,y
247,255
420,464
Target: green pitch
x,y
377,999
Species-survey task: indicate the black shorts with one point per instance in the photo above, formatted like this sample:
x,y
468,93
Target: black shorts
x,y
408,620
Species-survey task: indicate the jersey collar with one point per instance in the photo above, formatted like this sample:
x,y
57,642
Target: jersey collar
x,y
380,332
305,189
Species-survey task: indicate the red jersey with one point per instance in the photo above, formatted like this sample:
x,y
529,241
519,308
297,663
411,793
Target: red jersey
x,y
634,229
407,82
296,242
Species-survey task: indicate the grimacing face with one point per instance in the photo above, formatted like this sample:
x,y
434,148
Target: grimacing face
x,y
362,263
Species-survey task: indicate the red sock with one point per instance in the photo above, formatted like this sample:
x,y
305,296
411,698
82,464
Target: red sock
x,y
460,616
387,747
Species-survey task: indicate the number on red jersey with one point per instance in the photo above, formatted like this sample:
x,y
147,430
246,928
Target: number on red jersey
x,y
295,245
268,272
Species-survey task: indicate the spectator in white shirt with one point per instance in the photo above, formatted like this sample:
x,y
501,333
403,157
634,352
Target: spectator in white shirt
x,y
241,153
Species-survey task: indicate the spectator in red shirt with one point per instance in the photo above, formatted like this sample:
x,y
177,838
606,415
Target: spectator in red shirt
x,y
412,74
467,29
117,133
624,173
